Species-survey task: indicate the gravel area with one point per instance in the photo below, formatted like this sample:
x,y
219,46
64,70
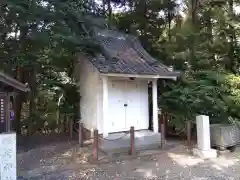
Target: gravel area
x,y
54,161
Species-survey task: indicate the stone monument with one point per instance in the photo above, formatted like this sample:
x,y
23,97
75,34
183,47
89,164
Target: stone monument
x,y
8,156
203,149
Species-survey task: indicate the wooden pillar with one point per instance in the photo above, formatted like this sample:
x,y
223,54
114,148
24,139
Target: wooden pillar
x,y
132,143
189,133
80,134
155,105
105,106
95,145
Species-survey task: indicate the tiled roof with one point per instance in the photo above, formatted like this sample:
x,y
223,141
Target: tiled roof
x,y
124,54
13,82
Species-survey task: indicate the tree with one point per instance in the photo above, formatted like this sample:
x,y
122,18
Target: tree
x,y
201,40
41,38
206,85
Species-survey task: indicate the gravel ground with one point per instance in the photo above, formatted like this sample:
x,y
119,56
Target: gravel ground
x,y
54,162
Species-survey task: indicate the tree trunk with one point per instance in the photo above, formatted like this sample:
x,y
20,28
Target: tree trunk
x,y
232,64
210,35
194,7
109,12
169,24
65,122
32,105
104,4
179,21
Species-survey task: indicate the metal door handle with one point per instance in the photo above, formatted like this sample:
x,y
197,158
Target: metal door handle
x,y
125,105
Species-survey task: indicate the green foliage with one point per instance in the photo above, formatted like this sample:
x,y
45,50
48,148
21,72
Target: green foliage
x,y
148,20
203,44
205,92
39,41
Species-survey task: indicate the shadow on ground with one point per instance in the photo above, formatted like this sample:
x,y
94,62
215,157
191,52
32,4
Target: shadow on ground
x,y
54,161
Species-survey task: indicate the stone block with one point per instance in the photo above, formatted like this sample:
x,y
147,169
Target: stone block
x,y
203,132
8,156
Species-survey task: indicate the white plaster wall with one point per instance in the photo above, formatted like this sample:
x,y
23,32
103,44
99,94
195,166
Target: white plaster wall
x,y
88,88
91,102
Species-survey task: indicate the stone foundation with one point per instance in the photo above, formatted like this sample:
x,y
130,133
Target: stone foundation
x,y
120,143
211,153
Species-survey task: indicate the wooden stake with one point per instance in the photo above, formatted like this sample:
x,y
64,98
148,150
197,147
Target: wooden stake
x,y
71,128
162,135
166,124
95,145
74,154
189,133
132,144
80,134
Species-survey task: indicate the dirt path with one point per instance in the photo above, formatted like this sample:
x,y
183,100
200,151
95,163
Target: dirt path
x,y
54,161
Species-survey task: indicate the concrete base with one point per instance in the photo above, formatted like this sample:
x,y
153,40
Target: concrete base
x,y
211,153
224,152
144,139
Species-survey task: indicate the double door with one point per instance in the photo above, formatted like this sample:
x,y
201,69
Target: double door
x,y
124,105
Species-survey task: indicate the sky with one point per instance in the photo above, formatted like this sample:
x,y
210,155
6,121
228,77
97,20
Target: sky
x,y
237,9
180,2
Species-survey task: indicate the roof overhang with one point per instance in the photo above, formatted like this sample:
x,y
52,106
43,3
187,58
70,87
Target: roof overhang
x,y
13,82
145,76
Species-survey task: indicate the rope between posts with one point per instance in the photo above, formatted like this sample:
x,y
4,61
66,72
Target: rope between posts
x,y
180,131
125,134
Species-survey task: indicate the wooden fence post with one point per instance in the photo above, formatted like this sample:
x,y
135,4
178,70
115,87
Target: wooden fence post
x,y
80,134
95,145
71,128
169,119
74,154
162,135
132,144
189,133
